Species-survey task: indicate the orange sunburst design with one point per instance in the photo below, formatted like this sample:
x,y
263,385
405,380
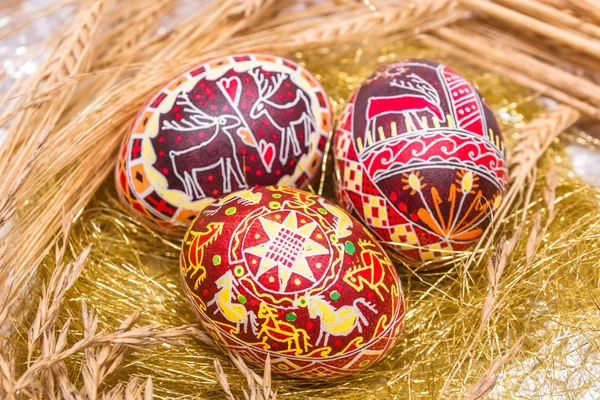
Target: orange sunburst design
x,y
447,227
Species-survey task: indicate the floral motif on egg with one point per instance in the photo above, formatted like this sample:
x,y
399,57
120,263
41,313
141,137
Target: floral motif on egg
x,y
231,123
280,271
420,159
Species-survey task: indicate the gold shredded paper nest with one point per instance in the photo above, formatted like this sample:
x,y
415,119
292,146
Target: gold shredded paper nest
x,y
91,304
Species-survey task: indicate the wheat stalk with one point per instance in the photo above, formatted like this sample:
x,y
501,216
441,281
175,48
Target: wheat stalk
x,y
523,63
487,381
259,388
101,361
63,277
69,55
514,18
564,57
518,77
132,391
389,18
495,270
532,141
46,373
118,44
553,16
56,352
586,8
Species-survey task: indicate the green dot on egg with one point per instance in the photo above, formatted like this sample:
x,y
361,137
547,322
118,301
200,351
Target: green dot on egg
x,y
274,205
230,211
216,260
276,196
335,295
290,316
349,247
322,210
241,299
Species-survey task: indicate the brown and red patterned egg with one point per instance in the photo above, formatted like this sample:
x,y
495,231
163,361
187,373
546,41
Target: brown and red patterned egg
x,y
278,271
228,124
420,159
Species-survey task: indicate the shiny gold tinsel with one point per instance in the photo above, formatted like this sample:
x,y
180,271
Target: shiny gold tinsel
x,y
550,304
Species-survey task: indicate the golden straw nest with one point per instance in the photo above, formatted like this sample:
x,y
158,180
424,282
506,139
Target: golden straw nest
x,y
90,302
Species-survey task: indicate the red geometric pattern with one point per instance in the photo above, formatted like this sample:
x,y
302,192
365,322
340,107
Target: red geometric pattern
x,y
281,272
420,159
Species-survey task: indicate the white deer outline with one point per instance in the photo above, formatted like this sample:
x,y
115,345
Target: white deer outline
x,y
229,165
266,89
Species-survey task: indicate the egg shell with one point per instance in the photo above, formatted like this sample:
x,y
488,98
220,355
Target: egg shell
x,y
420,158
279,271
228,124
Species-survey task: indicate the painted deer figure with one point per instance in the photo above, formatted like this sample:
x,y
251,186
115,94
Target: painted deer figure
x,y
233,312
187,165
198,241
284,117
420,96
338,322
281,331
370,272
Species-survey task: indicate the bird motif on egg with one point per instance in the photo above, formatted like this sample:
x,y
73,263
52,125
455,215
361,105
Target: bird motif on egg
x,y
228,124
281,272
420,158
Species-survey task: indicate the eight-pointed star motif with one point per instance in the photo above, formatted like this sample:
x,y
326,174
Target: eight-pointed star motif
x,y
287,249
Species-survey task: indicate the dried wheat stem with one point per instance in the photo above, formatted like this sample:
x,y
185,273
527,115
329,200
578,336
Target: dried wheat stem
x,y
315,11
259,388
518,77
532,140
561,56
537,231
141,337
19,267
103,360
487,381
67,60
63,277
132,391
118,43
245,8
523,63
222,379
553,16
587,8
389,18
577,41
495,270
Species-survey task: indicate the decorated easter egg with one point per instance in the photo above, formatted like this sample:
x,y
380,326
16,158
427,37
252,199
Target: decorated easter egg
x,y
278,271
229,124
421,160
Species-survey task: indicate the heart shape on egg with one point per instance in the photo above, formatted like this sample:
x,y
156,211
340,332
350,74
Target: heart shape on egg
x,y
267,153
233,87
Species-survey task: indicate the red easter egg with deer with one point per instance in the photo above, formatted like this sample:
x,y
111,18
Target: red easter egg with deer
x,y
228,124
281,272
420,159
